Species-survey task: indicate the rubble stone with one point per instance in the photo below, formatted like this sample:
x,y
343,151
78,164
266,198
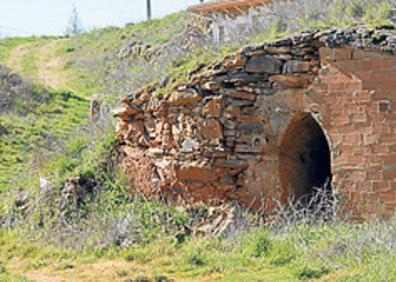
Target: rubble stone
x,y
213,108
265,64
184,98
211,129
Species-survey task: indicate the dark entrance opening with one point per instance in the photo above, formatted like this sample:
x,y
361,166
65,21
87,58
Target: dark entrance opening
x,y
305,167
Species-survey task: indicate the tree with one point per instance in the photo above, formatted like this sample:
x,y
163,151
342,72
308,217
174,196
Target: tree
x,y
74,26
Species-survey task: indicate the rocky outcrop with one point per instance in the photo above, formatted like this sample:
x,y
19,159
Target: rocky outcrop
x,y
222,136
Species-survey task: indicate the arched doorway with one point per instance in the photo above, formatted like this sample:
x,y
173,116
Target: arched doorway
x,y
304,160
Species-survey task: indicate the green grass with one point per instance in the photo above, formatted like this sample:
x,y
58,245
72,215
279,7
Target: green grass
x,y
83,73
9,44
29,62
29,134
179,71
307,253
365,12
154,32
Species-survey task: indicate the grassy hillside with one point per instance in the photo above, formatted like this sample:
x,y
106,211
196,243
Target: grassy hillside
x,y
105,235
70,70
80,64
338,252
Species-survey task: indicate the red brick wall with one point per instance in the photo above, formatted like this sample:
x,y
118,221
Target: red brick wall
x,y
354,95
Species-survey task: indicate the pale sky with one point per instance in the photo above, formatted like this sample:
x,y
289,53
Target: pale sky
x,y
50,17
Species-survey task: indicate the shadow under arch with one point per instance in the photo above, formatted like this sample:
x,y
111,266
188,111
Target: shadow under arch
x,y
304,160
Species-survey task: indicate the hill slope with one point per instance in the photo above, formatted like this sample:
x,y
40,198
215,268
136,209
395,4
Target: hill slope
x,y
64,211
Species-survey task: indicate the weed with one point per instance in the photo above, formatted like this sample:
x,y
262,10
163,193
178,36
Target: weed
x,y
130,257
308,272
262,245
196,259
282,253
142,279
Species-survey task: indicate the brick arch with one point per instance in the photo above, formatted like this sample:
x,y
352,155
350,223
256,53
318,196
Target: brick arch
x,y
304,159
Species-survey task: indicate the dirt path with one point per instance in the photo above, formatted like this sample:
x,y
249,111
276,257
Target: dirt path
x,y
50,66
15,61
101,271
48,73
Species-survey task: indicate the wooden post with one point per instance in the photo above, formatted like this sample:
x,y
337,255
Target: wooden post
x,y
148,9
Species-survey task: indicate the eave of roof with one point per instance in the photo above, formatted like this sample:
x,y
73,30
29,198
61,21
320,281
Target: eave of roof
x,y
231,7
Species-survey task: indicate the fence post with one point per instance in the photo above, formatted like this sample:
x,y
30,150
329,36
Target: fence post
x,y
148,9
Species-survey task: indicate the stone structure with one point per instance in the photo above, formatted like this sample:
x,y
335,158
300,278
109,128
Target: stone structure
x,y
232,17
270,123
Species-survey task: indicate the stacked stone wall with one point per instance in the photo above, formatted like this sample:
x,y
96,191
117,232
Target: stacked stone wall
x,y
219,137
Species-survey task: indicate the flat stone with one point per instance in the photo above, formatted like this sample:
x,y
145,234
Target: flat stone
x,y
232,111
285,57
213,108
264,64
155,151
248,156
126,112
292,81
278,50
219,154
245,148
189,145
237,62
244,77
229,124
211,86
176,130
229,163
184,98
230,133
241,95
211,129
296,67
162,163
